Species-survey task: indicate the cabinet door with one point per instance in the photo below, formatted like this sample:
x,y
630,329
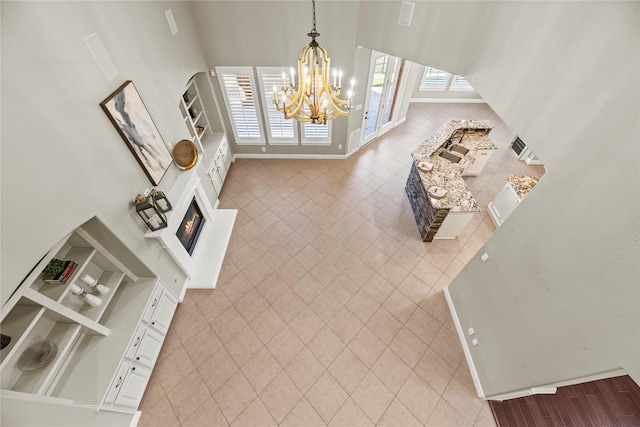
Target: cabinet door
x,y
505,202
137,342
153,304
133,386
149,348
227,157
214,173
118,382
477,163
163,314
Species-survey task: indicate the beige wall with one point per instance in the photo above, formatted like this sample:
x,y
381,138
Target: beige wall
x,y
62,160
558,298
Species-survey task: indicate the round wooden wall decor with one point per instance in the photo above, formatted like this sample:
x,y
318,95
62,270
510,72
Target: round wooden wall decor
x,y
185,154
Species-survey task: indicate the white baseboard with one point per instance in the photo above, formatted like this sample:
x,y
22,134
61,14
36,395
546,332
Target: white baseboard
x,y
289,156
445,100
465,347
400,121
541,389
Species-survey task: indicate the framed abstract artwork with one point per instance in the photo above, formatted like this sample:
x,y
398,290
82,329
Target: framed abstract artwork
x,y
127,112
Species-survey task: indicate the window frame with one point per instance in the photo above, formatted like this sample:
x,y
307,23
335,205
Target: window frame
x,y
307,140
242,140
449,84
464,86
268,107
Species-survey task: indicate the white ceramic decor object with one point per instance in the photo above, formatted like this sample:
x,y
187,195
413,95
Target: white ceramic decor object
x,y
102,289
89,280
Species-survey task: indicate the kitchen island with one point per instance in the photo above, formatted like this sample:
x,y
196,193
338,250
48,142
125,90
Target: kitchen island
x,y
439,165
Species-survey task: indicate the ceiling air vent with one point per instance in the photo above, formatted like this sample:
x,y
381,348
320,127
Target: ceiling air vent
x,y
406,12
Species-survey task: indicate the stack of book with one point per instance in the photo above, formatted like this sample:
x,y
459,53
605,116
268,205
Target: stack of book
x,y
69,268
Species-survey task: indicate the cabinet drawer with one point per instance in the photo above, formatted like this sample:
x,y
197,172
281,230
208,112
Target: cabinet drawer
x,y
117,383
136,343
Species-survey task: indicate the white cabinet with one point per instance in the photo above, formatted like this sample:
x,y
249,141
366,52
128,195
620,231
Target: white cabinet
x,y
149,348
105,353
133,385
454,224
477,163
504,204
220,165
161,318
130,381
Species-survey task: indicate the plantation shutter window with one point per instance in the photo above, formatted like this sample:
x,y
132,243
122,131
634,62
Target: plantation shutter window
x,y
460,83
316,133
279,129
434,79
238,88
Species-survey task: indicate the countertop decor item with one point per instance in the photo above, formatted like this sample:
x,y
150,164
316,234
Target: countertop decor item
x,y
437,192
185,154
128,114
37,356
425,166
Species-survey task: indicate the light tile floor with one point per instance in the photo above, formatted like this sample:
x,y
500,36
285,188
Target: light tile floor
x,y
329,309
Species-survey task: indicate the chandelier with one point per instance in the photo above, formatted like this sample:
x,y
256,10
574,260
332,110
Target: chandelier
x,y
314,97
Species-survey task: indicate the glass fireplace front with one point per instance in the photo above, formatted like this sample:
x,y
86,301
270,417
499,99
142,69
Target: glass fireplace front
x,y
190,227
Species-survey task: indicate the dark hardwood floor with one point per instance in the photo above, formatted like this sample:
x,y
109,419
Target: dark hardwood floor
x,y
613,402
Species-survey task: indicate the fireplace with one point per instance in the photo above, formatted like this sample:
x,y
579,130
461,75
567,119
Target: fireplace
x,y
190,227
197,233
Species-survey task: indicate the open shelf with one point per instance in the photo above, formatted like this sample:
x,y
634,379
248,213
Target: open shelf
x,y
110,279
23,315
41,310
45,328
55,291
194,114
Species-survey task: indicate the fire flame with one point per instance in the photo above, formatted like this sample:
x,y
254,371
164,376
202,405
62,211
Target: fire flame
x,y
188,226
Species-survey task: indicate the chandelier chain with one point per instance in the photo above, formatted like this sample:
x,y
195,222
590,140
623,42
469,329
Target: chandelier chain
x,y
314,15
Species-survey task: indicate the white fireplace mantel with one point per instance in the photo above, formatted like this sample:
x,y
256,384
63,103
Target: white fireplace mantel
x,y
203,266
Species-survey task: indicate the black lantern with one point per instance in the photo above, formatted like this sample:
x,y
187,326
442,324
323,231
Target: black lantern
x,y
160,200
150,212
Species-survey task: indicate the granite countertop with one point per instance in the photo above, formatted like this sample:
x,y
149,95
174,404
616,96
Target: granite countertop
x,y
446,174
523,184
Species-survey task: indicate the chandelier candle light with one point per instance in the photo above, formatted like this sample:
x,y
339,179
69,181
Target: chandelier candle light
x,y
314,97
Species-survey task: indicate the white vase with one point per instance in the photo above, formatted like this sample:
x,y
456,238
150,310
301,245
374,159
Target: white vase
x,y
102,289
76,290
89,280
92,300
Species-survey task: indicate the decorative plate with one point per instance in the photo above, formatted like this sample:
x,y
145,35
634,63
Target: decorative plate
x,y
437,192
425,166
185,154
37,356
